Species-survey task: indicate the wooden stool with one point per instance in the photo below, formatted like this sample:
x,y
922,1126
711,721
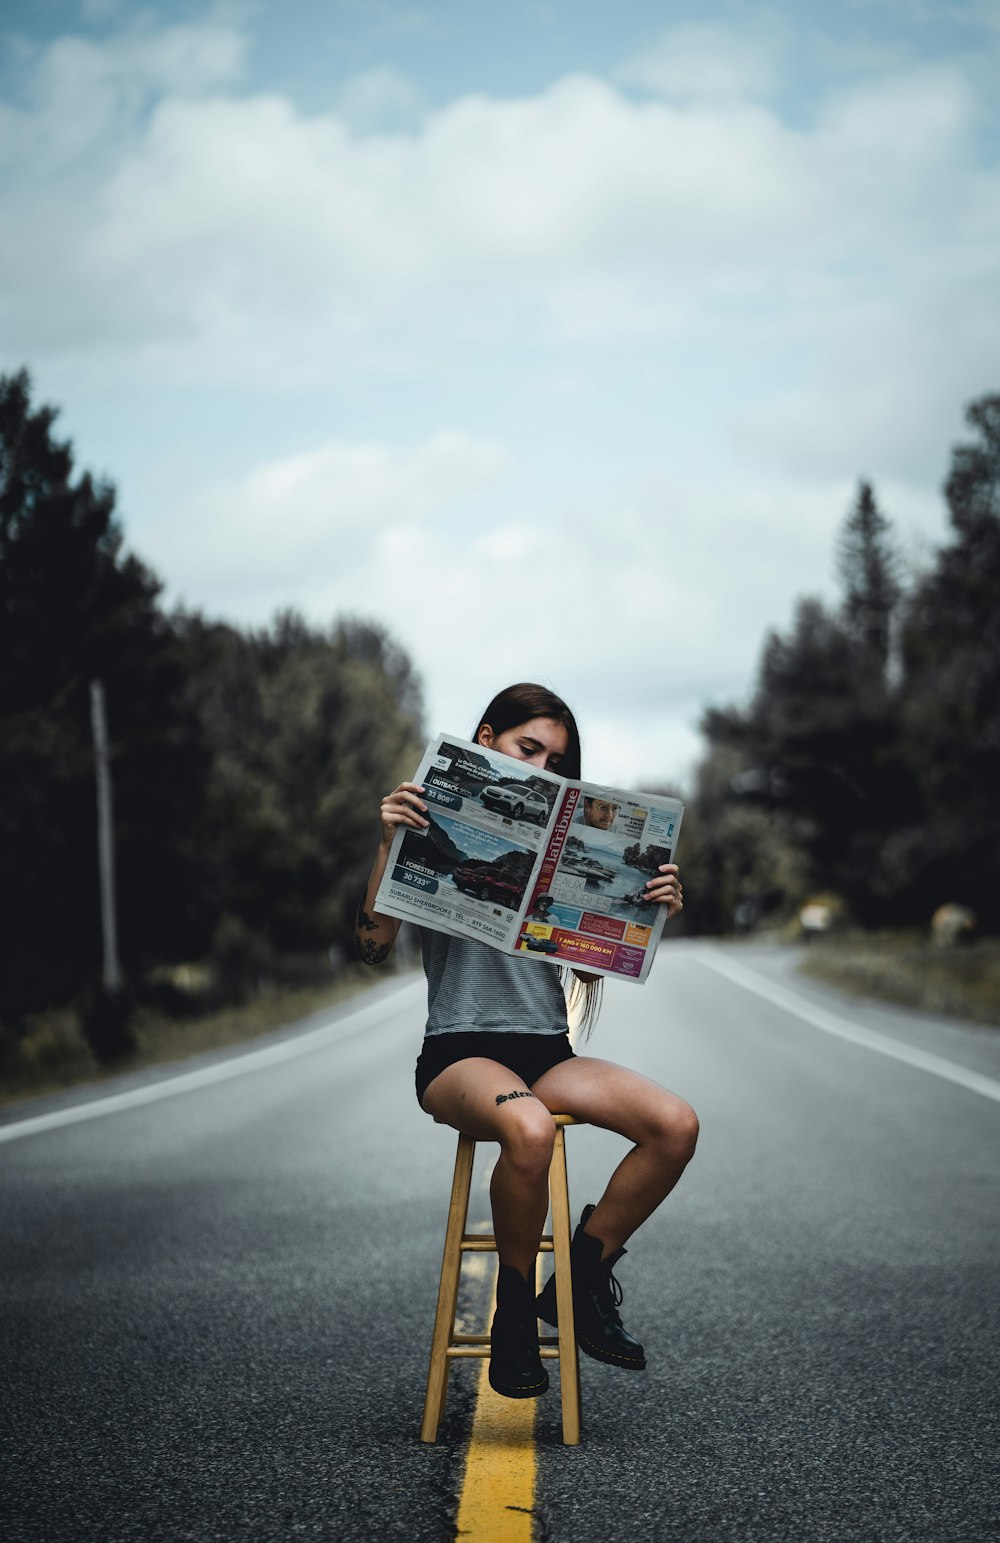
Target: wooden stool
x,y
447,1345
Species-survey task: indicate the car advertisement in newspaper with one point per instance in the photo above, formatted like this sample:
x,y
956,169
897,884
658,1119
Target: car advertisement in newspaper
x,y
587,908
470,871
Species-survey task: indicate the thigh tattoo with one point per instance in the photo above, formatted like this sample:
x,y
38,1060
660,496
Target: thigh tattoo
x,y
517,1093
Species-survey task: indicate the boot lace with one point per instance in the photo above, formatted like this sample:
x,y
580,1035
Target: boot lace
x,y
609,1296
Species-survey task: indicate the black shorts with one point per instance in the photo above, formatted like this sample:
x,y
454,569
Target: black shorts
x,y
529,1056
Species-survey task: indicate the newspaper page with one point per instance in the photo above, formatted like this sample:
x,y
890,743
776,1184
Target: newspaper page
x,y
469,873
587,908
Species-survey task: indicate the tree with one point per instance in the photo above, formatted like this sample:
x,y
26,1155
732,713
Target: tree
x,y
740,862
61,580
74,605
809,741
304,726
866,565
973,486
951,691
816,754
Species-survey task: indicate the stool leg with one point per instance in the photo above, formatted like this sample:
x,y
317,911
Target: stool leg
x,y
569,1364
451,1265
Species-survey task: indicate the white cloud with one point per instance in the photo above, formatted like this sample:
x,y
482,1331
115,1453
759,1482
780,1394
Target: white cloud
x,y
708,61
892,385
97,12
85,94
378,99
310,524
220,223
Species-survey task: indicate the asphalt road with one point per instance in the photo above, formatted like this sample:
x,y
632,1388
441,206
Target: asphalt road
x,y
216,1306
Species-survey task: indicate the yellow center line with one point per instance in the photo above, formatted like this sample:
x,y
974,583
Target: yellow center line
x,y
498,1491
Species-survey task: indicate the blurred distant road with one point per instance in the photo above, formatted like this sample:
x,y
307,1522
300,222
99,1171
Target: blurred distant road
x,y
216,1304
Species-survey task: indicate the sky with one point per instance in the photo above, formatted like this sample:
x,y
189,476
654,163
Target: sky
x,y
554,336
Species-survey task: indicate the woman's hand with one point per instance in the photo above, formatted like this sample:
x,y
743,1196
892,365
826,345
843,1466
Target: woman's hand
x,y
666,888
403,806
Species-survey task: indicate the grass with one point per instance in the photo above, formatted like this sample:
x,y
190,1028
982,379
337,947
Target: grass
x,y
54,1055
906,968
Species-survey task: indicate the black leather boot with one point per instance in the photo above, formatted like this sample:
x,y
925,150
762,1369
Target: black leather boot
x,y
596,1299
516,1368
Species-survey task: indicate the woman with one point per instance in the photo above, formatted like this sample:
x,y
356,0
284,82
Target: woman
x,y
496,1059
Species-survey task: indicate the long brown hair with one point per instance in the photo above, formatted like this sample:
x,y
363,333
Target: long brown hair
x,y
519,704
508,710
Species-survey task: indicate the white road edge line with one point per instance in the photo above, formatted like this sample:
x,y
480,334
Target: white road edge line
x,y
840,1028
222,1071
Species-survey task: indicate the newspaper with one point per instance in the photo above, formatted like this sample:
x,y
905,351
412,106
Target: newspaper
x,y
533,864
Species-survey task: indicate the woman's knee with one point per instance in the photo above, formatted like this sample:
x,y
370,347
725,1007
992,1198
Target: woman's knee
x,y
688,1126
675,1130
527,1136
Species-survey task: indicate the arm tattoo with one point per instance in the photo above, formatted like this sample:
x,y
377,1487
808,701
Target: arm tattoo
x,y
369,951
517,1093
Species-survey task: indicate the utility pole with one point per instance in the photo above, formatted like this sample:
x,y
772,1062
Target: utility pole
x,y
112,976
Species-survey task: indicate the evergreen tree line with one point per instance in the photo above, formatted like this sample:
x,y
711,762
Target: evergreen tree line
x,y
243,761
867,763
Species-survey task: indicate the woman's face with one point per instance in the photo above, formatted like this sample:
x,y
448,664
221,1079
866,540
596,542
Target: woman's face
x,y
541,741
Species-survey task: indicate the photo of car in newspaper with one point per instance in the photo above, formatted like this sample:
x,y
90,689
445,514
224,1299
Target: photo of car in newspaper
x,y
456,866
489,883
516,800
461,773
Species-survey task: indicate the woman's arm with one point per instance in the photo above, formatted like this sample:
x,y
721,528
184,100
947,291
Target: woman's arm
x,y
374,934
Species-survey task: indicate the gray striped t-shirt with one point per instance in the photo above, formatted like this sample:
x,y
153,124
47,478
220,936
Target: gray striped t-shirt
x,y
471,986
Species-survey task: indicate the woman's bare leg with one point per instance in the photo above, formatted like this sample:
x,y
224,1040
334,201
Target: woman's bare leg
x,y
484,1100
663,1127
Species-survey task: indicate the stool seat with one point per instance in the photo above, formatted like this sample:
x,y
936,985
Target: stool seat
x,y
448,1345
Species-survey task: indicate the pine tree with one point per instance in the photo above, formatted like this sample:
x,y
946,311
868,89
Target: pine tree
x,y
951,686
866,565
